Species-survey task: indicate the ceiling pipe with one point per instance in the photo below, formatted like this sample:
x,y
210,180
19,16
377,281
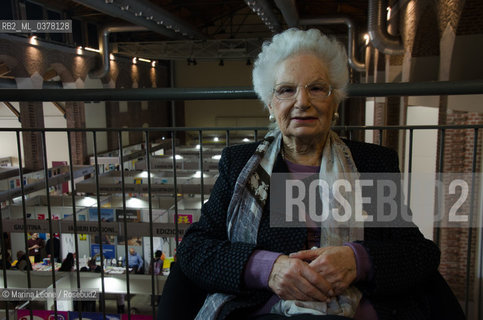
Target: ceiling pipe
x,y
354,63
377,30
153,17
104,48
289,12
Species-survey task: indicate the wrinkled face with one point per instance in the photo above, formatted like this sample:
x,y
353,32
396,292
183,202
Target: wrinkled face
x,y
308,113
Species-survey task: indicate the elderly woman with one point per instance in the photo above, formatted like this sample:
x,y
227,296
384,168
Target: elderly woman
x,y
237,266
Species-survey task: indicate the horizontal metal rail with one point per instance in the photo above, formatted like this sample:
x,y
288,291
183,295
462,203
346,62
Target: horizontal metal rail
x,y
184,129
229,93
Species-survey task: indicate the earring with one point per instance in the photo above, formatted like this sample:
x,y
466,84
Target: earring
x,y
335,117
271,118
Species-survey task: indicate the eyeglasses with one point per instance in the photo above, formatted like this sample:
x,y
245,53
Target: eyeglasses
x,y
316,90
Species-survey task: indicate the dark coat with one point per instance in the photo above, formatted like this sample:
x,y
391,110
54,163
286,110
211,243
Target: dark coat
x,y
402,258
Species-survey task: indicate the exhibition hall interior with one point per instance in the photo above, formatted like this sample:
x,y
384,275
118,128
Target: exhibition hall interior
x,y
114,115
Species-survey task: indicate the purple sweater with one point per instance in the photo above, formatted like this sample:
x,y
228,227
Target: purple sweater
x,y
260,265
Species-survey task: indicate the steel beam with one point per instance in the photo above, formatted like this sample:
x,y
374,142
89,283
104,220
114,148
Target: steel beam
x,y
231,93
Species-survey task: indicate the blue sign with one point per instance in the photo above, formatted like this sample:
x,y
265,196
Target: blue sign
x,y
109,250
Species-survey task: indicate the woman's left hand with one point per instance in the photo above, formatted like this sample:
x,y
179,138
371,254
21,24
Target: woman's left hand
x,y
336,264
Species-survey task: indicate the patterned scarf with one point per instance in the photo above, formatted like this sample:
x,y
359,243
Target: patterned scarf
x,y
250,195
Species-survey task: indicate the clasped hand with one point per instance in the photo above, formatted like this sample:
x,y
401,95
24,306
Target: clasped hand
x,y
313,275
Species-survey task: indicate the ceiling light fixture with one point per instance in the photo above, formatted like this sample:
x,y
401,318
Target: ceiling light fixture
x,y
134,60
33,40
92,49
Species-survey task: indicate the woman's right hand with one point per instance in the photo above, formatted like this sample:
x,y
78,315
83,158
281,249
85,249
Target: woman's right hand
x,y
294,279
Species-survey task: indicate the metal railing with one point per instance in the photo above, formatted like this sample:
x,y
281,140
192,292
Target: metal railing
x,y
364,90
147,132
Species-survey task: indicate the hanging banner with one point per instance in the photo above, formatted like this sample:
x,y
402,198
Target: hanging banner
x,y
92,227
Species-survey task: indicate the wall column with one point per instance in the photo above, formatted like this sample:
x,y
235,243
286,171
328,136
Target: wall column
x,y
32,116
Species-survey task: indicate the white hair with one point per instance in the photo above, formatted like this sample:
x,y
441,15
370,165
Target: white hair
x,y
294,41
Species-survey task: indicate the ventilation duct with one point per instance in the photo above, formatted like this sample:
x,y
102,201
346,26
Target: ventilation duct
x,y
377,30
104,47
288,9
351,39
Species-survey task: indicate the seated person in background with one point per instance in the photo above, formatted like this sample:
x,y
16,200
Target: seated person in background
x,y
249,269
135,262
35,244
22,261
157,265
68,263
91,266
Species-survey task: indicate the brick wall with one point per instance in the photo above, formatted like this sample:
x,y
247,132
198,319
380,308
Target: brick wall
x,y
449,13
126,75
32,116
471,21
75,117
458,158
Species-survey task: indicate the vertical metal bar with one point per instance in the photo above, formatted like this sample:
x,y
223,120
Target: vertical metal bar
x,y
151,243
439,198
380,137
49,212
102,302
4,261
410,165
470,228
202,184
480,273
175,185
350,134
24,212
256,135
74,216
227,138
172,85
123,191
